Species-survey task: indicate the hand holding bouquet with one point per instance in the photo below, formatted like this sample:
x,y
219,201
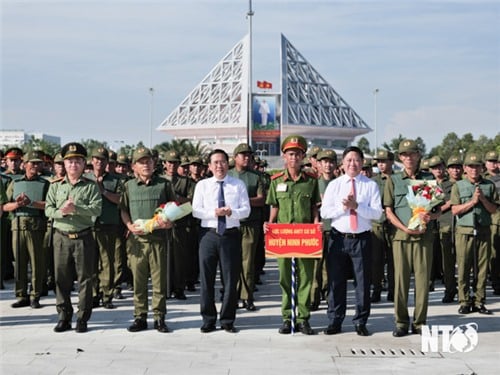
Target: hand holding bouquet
x,y
170,211
422,197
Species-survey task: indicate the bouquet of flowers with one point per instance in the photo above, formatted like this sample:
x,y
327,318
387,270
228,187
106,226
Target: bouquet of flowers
x,y
170,211
422,197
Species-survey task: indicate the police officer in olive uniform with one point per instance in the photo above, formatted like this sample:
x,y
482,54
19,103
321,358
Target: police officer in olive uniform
x,y
147,252
382,233
412,249
327,161
184,190
251,226
106,230
13,159
3,199
27,202
294,198
473,200
73,202
493,173
436,165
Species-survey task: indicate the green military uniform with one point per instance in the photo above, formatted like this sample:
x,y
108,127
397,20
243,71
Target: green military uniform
x,y
473,226
3,199
294,200
178,253
108,234
250,228
147,253
493,156
28,230
74,245
411,252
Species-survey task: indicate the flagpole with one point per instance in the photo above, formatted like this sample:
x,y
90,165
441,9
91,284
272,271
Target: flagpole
x,y
250,14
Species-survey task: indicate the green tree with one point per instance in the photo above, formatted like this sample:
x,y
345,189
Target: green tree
x,y
40,144
364,145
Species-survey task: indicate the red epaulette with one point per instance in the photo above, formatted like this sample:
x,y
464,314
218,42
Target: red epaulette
x,y
276,175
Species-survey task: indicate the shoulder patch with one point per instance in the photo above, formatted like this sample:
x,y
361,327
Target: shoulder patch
x,y
277,175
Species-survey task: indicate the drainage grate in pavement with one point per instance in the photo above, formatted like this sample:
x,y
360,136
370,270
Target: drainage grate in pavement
x,y
386,352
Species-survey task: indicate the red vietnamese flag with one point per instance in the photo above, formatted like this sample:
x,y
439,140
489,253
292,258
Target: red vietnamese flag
x,y
260,84
268,85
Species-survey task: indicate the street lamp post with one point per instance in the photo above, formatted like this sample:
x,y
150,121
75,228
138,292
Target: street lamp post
x,y
151,91
375,92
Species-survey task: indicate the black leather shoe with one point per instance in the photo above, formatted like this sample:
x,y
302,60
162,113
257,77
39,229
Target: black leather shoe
x,y
416,330
229,328
481,309
400,332
96,302
496,291
35,304
81,326
118,294
286,328
361,330
305,328
375,297
464,309
208,327
314,306
449,296
190,287
390,297
160,326
108,305
332,329
138,325
62,325
180,295
20,303
249,305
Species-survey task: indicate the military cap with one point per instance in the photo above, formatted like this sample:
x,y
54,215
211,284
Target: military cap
x,y
14,153
185,160
367,164
195,160
206,160
306,161
384,155
122,158
242,148
294,141
313,152
454,160
491,156
101,153
33,156
58,158
112,156
141,152
435,161
263,163
473,158
73,150
327,154
424,163
172,156
408,145
231,162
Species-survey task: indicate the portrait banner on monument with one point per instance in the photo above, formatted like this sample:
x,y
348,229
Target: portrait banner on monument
x,y
294,241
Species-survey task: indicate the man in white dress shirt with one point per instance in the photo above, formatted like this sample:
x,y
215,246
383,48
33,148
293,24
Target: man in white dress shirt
x,y
351,201
220,202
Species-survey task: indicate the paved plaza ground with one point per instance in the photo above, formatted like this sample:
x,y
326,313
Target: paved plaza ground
x,y
28,344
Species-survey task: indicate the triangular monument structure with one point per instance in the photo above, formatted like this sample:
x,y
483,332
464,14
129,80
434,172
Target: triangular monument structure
x,y
216,112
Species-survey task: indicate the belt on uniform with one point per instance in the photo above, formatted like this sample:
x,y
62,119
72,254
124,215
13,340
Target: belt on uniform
x,y
75,235
350,235
227,231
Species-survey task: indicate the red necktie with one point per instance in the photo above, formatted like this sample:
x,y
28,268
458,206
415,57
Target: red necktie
x,y
353,216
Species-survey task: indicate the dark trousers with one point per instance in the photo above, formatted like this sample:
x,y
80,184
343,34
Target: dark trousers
x,y
226,251
74,257
341,252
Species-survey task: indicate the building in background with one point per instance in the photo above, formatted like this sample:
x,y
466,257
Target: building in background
x,y
13,137
216,113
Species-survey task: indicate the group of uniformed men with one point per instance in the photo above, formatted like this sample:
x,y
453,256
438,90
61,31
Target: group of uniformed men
x,y
72,218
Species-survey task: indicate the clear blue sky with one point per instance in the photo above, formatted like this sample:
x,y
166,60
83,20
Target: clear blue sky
x,y
82,69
